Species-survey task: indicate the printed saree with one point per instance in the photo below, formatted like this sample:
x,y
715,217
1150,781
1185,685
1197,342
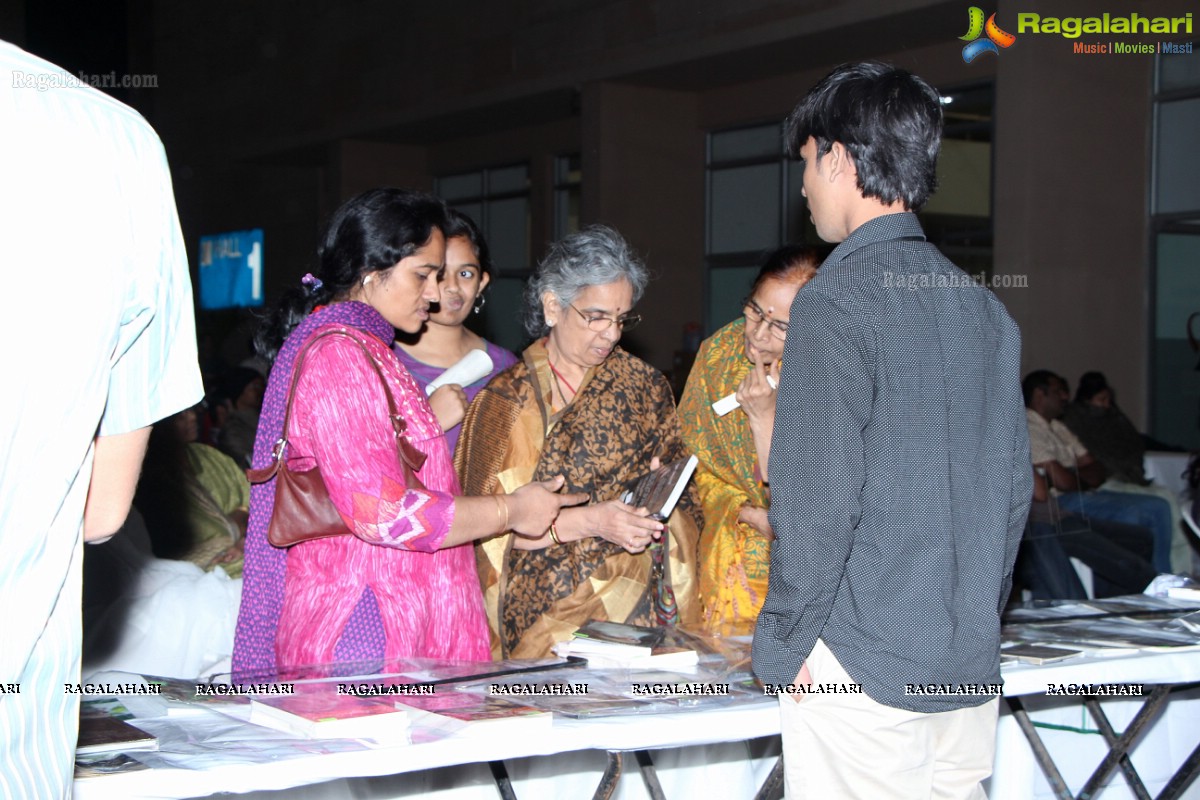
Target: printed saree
x,y
602,442
733,557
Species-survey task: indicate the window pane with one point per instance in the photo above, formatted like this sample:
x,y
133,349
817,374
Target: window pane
x,y
765,141
797,207
1178,71
745,209
566,211
452,187
503,317
1177,164
727,288
508,179
472,210
964,171
1176,381
567,169
508,233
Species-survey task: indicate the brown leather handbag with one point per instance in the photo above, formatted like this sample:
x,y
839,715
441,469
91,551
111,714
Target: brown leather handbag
x,y
303,510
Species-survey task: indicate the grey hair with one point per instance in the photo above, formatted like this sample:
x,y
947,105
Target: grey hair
x,y
595,256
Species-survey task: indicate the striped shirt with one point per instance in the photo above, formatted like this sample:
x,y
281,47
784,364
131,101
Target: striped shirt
x,y
900,473
98,337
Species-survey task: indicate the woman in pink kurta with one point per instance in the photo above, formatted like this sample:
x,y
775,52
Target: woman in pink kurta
x,y
404,582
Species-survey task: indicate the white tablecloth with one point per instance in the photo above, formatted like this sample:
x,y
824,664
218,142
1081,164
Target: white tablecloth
x,y
1163,747
715,762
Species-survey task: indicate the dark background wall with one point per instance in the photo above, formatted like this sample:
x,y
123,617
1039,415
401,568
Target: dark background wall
x,y
273,113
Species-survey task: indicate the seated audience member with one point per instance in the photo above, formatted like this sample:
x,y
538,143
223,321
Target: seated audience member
x,y
194,498
1118,555
742,357
445,340
1105,431
579,405
237,405
1074,475
1113,440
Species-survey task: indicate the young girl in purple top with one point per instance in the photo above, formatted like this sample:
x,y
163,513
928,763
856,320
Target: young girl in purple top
x,y
445,339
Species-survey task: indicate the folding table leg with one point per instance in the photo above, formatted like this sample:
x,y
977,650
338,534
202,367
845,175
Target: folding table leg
x,y
1149,710
612,774
503,783
772,787
1182,778
649,776
1039,749
1110,736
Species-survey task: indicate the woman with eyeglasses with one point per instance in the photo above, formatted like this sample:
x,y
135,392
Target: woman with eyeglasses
x,y
580,406
741,358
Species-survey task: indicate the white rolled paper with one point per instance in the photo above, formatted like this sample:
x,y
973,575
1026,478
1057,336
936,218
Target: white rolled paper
x,y
729,402
473,366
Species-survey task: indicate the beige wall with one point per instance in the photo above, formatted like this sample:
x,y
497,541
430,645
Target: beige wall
x,y
643,168
1072,175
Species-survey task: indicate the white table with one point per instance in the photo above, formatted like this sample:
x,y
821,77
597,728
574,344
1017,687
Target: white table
x,y
1165,745
698,771
628,733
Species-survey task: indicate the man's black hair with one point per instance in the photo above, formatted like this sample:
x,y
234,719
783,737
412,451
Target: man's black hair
x,y
888,119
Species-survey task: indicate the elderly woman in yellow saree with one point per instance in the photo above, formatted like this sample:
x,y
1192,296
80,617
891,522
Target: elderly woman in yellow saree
x,y
742,359
578,405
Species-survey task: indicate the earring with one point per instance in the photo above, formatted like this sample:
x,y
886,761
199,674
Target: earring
x,y
480,302
366,280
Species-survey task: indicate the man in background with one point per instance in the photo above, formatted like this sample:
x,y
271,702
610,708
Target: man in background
x,y
900,481
1075,476
98,343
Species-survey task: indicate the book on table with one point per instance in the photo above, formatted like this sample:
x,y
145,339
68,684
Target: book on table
x,y
617,644
102,733
319,712
660,490
1038,654
471,714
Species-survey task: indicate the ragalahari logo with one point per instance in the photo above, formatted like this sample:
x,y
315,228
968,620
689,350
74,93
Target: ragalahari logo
x,y
996,38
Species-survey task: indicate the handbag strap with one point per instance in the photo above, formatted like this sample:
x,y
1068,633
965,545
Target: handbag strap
x,y
399,424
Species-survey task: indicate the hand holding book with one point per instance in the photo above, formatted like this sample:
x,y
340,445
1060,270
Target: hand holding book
x,y
623,524
659,490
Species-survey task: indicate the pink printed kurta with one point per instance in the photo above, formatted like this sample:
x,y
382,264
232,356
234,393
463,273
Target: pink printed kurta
x,y
343,592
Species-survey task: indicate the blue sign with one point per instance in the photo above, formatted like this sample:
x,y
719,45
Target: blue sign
x,y
231,269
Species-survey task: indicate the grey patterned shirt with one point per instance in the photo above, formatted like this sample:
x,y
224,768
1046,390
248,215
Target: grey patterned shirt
x,y
900,473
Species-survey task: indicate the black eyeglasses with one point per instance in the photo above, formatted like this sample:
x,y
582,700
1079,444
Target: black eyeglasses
x,y
755,316
600,323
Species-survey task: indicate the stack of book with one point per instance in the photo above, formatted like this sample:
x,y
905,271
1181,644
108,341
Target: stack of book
x,y
102,733
319,711
621,645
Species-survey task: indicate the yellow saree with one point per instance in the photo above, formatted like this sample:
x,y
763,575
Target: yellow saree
x,y
733,557
602,442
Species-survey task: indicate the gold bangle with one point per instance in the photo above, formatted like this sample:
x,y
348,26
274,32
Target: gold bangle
x,y
501,515
554,534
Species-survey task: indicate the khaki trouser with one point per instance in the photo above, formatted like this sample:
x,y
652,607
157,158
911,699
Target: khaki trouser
x,y
846,746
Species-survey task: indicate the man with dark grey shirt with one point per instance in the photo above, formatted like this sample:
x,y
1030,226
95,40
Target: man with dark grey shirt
x,y
900,482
